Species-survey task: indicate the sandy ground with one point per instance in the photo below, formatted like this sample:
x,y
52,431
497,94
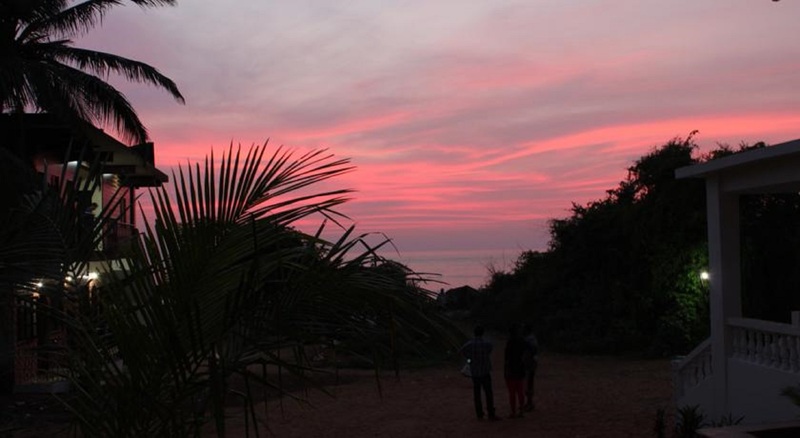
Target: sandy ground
x,y
576,396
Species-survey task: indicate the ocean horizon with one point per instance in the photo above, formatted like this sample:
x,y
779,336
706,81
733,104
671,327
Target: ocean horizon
x,y
457,267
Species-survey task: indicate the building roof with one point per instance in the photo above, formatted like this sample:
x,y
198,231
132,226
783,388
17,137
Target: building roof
x,y
771,169
35,134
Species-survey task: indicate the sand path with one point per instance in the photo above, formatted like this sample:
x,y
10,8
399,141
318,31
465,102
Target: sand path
x,y
577,396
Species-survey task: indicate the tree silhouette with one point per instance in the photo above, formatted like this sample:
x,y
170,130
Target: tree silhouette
x,y
41,70
621,273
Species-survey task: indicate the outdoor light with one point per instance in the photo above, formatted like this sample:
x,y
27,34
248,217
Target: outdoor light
x,y
91,276
39,285
704,276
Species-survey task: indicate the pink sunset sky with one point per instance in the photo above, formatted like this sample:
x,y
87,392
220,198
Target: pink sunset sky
x,y
472,123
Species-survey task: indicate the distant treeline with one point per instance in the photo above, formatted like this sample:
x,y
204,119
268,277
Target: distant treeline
x,y
622,274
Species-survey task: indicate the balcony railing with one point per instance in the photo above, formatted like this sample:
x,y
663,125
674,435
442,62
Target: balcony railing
x,y
118,239
766,343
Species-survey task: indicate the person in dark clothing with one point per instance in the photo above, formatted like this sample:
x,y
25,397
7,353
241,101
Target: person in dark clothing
x,y
514,370
531,359
478,353
87,218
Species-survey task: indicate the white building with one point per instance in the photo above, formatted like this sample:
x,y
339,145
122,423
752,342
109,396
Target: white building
x,y
745,364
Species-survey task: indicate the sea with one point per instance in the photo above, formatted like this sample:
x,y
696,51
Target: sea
x,y
457,267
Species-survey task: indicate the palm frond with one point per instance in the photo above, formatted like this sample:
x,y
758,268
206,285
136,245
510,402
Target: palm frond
x,y
75,95
102,64
62,17
41,235
41,70
222,282
56,17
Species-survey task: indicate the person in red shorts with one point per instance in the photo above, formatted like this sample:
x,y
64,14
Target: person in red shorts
x,y
531,360
514,370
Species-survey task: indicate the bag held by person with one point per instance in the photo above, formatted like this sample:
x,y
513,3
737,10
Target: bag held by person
x,y
466,370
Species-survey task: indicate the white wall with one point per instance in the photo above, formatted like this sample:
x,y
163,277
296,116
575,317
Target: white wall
x,y
755,393
700,395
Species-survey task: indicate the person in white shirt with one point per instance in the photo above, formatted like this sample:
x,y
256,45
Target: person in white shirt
x,y
478,353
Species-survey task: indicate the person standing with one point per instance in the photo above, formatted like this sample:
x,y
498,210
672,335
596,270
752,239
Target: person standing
x,y
478,353
514,370
531,364
86,220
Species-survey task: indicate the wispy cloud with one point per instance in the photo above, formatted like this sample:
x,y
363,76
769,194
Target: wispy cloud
x,y
471,123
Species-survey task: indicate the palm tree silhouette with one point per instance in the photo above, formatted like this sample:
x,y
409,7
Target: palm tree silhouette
x,y
41,70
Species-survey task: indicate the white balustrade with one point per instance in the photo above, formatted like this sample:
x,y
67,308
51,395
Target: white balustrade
x,y
692,369
766,343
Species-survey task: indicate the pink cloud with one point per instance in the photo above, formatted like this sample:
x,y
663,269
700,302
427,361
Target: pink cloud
x,y
471,124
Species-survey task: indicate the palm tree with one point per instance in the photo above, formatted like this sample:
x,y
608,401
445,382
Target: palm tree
x,y
41,70
223,289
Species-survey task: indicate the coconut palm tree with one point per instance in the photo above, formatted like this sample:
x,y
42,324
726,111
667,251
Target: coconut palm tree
x,y
224,296
41,70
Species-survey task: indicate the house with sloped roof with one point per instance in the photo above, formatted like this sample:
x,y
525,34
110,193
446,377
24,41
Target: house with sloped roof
x,y
55,151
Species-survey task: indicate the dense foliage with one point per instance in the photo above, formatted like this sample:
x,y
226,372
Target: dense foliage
x,y
222,300
621,274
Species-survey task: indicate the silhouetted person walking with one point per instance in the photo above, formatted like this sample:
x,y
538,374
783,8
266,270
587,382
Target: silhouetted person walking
x,y
514,370
531,359
478,353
